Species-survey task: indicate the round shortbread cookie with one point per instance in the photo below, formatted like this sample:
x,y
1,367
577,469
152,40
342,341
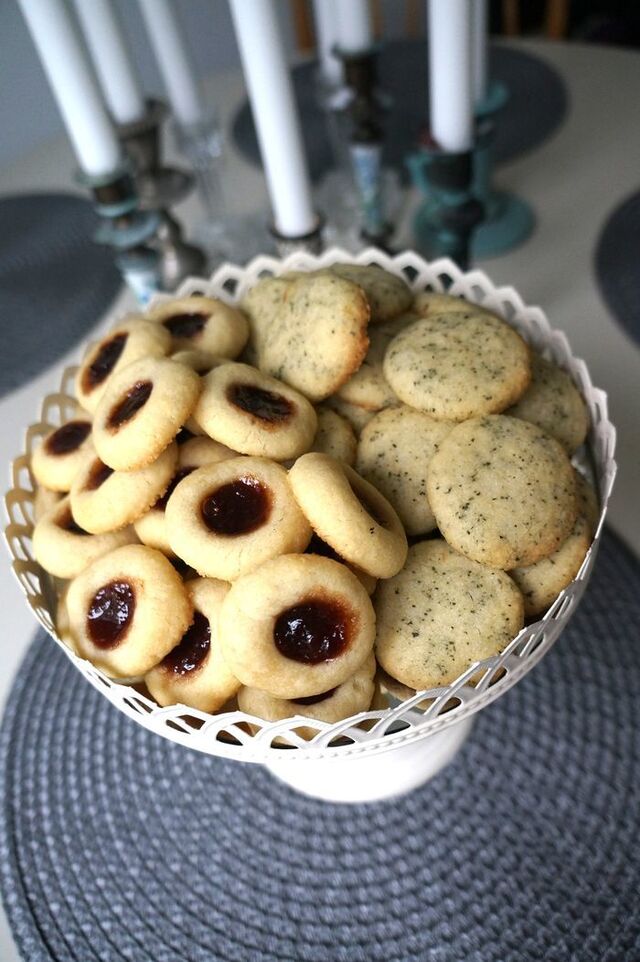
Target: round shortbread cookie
x,y
199,361
387,294
394,452
587,502
141,411
130,340
356,416
368,387
503,492
351,697
309,330
57,459
195,453
127,610
104,500
335,436
442,613
458,366
255,414
228,518
194,673
299,625
553,402
429,303
202,324
64,549
541,582
349,514
44,500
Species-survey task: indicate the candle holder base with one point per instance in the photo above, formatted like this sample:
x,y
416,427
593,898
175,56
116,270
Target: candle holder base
x,y
312,242
445,223
508,220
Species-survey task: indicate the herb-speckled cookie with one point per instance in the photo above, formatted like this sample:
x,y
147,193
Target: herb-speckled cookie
x,y
394,452
458,366
429,303
354,414
368,387
442,613
502,491
309,330
553,402
387,294
335,436
541,582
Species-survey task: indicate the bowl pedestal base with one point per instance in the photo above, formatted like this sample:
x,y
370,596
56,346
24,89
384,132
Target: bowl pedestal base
x,y
376,776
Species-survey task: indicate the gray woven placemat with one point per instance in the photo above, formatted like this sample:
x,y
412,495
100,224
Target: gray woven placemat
x,y
118,845
617,264
538,102
54,281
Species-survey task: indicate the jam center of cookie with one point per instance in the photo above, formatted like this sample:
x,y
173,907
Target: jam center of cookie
x,y
98,475
239,507
313,699
179,476
262,404
68,438
135,398
67,523
104,362
185,325
315,631
110,614
192,650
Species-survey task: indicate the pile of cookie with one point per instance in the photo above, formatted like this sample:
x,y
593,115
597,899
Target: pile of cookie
x,y
334,492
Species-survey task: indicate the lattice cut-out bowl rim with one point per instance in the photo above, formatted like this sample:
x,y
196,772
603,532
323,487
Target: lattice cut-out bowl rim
x,y
244,737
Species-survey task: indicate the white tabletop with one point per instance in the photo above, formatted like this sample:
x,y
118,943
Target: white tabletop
x,y
573,182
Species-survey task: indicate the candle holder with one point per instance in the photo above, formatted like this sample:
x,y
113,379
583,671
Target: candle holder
x,y
508,220
311,243
365,144
224,236
126,229
160,187
444,224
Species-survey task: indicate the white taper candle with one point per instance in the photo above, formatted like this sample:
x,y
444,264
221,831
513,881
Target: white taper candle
x,y
115,70
450,95
73,85
480,50
170,48
325,18
355,32
275,115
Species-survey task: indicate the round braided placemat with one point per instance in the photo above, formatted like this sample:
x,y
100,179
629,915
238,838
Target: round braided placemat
x,y
536,107
616,265
55,282
118,845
